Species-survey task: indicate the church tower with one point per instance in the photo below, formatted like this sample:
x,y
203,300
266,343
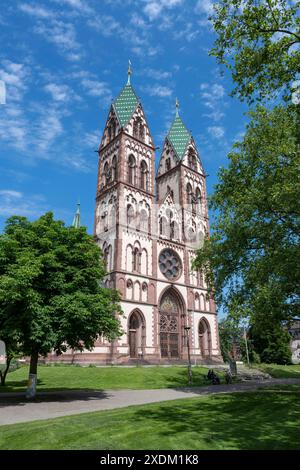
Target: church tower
x,y
149,236
123,218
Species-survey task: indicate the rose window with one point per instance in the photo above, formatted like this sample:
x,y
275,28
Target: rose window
x,y
170,264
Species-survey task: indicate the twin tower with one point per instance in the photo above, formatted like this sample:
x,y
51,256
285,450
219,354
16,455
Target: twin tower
x,y
148,227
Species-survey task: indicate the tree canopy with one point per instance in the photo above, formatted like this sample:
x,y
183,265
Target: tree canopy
x,y
252,258
51,297
259,41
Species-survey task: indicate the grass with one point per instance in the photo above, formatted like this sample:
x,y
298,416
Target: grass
x,y
68,377
280,371
257,420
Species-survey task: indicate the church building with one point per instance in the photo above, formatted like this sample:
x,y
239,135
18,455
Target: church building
x,y
149,224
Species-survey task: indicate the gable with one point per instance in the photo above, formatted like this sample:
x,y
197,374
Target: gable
x,y
139,115
192,149
167,153
112,118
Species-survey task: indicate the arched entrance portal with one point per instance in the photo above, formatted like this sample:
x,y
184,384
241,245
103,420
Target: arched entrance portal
x,y
136,334
204,338
170,312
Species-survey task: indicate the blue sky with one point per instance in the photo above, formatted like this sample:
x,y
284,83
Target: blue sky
x,y
63,61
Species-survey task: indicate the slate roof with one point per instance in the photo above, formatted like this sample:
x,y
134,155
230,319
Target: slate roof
x,y
125,104
179,137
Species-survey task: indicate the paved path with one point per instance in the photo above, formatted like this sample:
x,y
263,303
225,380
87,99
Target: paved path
x,y
15,409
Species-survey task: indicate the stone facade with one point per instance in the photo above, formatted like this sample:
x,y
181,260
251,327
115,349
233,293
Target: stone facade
x,y
149,227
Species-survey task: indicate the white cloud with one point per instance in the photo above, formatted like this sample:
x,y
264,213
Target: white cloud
x,y
188,32
17,203
9,193
137,21
92,139
159,90
154,8
80,5
48,129
204,6
217,132
12,122
156,74
58,92
14,76
105,24
95,88
212,95
2,92
63,35
36,10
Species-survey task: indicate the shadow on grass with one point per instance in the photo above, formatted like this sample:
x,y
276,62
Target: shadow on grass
x,y
237,421
55,396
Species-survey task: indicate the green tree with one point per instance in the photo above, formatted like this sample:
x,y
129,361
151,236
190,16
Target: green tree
x,y
258,40
271,341
230,333
51,296
252,259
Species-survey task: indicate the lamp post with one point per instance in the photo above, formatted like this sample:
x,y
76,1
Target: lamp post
x,y
187,330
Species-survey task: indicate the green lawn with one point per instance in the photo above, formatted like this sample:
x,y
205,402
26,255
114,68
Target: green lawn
x,y
260,420
279,371
98,378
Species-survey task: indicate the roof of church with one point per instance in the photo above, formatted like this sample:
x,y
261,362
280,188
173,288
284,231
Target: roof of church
x,y
125,104
179,136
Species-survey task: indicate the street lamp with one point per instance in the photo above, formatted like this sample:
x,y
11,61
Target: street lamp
x,y
187,329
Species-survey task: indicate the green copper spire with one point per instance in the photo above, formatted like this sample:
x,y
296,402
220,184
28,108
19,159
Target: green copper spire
x,y
127,101
76,219
178,135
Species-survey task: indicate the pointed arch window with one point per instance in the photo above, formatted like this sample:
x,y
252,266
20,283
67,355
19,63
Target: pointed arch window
x,y
198,199
114,169
142,132
163,225
168,164
131,169
174,230
107,173
144,220
192,160
189,193
136,256
139,129
144,175
135,128
130,214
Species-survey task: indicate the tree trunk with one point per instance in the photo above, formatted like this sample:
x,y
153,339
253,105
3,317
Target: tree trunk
x,y
4,373
32,379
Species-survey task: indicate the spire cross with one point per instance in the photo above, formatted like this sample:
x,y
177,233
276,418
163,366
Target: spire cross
x,y
129,72
177,107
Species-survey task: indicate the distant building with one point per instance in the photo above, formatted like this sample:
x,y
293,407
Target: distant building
x,y
294,331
